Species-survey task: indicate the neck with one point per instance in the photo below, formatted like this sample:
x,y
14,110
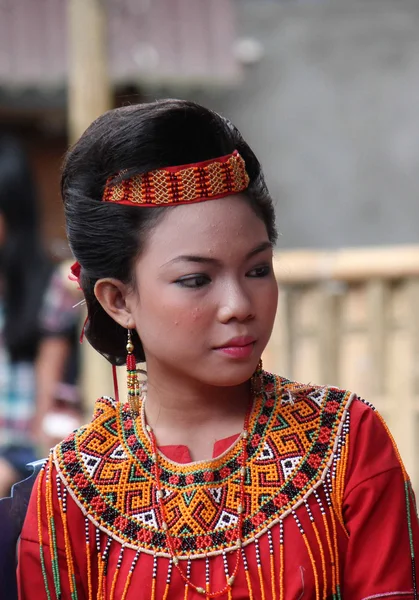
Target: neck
x,y
178,409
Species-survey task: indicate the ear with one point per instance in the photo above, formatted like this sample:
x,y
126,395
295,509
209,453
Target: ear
x,y
114,297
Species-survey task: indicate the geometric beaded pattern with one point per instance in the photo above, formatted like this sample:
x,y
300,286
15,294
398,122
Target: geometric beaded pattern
x,y
214,178
107,468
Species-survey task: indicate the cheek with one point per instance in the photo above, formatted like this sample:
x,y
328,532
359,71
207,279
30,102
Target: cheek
x,y
184,318
176,317
198,314
191,320
269,302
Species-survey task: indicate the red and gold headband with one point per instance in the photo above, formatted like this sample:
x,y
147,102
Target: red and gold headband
x,y
208,180
197,182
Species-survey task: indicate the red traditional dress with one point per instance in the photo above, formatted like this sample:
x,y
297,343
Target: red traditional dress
x,y
328,510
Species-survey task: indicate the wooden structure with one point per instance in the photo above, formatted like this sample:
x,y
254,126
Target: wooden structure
x,y
351,318
89,95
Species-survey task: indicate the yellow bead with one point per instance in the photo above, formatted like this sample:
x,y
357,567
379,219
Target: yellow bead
x,y
239,543
175,560
200,590
243,471
130,347
164,525
245,435
240,509
230,580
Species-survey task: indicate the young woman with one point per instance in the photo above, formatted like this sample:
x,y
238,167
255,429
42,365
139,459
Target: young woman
x,y
217,479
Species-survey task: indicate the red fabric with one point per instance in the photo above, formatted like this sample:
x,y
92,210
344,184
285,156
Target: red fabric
x,y
374,558
181,454
378,553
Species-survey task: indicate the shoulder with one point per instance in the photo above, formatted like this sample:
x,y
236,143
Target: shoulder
x,y
361,414
343,418
103,426
325,402
80,459
373,450
308,426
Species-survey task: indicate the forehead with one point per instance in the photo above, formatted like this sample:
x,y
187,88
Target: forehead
x,y
226,225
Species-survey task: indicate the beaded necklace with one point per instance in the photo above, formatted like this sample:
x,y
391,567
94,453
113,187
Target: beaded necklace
x,y
240,510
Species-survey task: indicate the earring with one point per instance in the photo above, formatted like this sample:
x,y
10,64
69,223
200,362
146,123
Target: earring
x,y
133,382
256,382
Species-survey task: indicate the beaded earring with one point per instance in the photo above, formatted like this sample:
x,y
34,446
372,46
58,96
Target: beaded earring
x,y
256,381
133,382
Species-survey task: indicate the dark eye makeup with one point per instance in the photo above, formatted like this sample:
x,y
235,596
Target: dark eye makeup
x,y
199,280
193,281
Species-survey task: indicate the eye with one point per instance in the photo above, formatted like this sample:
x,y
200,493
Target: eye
x,y
193,281
261,271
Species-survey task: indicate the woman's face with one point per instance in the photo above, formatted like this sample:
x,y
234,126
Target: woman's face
x,y
206,295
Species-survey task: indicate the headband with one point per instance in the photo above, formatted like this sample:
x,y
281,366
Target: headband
x,y
197,182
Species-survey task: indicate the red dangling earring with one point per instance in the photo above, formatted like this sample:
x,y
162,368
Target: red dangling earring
x,y
133,382
256,381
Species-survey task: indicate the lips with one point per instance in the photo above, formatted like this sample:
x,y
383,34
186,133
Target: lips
x,y
239,342
238,347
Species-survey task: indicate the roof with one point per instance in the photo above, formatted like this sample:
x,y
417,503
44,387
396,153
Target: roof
x,y
149,40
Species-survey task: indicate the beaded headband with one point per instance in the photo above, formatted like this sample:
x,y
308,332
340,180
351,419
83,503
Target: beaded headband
x,y
197,182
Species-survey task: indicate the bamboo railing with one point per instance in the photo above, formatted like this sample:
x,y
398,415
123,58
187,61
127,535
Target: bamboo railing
x,y
351,318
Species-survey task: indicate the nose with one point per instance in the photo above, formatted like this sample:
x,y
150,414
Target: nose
x,y
235,304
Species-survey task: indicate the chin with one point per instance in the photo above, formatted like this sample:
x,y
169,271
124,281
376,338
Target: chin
x,y
231,377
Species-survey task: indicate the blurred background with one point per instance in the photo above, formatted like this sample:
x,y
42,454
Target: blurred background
x,y
326,93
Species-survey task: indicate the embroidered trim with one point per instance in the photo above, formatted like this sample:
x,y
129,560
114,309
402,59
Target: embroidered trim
x,y
106,467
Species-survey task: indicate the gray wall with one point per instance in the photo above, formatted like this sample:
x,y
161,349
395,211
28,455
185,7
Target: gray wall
x,y
332,110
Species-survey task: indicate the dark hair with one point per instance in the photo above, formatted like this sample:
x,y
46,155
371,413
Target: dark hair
x,y
24,266
105,238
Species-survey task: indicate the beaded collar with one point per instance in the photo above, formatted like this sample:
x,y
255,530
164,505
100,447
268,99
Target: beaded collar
x,y
107,468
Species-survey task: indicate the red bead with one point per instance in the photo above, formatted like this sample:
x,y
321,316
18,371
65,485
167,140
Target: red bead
x,y
131,364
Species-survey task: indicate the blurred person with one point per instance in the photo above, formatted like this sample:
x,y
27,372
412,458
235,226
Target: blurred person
x,y
216,479
58,398
37,321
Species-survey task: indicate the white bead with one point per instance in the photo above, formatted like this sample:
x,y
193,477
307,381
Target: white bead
x,y
230,580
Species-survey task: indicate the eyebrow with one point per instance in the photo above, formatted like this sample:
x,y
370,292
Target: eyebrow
x,y
208,260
